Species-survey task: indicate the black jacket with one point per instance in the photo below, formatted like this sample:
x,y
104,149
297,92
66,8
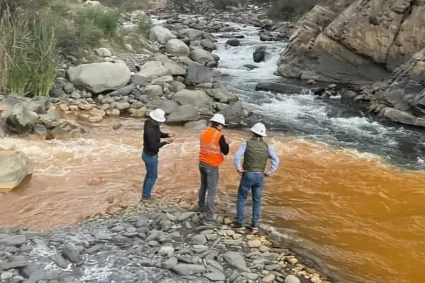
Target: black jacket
x,y
152,136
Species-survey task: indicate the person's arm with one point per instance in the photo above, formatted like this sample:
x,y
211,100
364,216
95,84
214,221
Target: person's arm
x,y
153,144
164,135
274,160
224,146
238,157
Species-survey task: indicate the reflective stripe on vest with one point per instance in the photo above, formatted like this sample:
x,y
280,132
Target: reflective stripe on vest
x,y
210,152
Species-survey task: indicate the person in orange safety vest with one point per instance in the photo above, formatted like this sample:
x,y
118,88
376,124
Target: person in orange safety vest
x,y
214,146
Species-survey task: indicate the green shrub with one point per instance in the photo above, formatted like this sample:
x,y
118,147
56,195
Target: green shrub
x,y
106,20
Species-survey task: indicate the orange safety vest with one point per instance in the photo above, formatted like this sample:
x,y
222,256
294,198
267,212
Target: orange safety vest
x,y
210,152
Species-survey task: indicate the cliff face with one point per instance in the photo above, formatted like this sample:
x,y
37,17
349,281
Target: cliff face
x,y
402,97
362,44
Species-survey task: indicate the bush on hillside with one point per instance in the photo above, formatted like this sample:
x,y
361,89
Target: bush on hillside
x,y
127,5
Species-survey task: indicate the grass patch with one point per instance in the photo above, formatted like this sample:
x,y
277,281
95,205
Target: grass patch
x,y
144,27
29,56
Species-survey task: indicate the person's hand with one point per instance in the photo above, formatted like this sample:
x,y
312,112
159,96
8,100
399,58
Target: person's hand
x,y
228,141
171,135
240,172
170,141
267,174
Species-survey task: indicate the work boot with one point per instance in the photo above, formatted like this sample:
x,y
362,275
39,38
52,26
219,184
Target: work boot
x,y
209,223
197,209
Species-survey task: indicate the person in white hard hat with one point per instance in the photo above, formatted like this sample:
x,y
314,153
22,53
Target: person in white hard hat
x,y
255,153
214,146
152,136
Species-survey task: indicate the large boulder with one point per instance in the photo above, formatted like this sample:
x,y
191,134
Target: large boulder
x,y
19,118
198,74
233,42
259,54
14,168
169,106
175,69
201,56
177,47
99,77
196,98
234,114
361,45
208,44
192,34
278,87
160,34
183,114
150,70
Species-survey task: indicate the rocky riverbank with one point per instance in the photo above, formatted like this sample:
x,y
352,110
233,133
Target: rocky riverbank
x,y
148,243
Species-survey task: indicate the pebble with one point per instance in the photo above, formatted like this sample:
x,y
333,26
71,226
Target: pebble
x,y
6,275
170,263
292,279
215,276
199,240
166,250
292,260
254,243
269,278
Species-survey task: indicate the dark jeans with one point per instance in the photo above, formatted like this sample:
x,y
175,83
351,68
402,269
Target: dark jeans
x,y
250,182
208,189
151,162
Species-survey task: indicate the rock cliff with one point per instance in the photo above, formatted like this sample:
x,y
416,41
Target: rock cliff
x,y
363,44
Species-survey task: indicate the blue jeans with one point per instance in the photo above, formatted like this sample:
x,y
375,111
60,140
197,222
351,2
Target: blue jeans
x,y
250,181
151,162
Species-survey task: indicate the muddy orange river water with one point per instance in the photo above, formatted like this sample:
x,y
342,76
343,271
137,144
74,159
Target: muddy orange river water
x,y
365,219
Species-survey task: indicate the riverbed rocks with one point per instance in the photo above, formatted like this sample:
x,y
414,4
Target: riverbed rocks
x,y
14,168
148,243
177,47
259,54
160,34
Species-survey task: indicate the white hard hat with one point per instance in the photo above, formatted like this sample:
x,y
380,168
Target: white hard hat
x,y
218,118
158,115
259,129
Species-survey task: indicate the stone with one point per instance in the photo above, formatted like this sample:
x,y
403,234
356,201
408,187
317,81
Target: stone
x,y
122,105
168,106
250,276
15,167
259,54
196,98
12,265
183,114
192,34
269,278
292,279
215,276
68,87
177,86
60,261
51,119
198,74
123,91
175,69
72,253
201,56
185,216
19,118
169,263
153,90
166,250
292,260
254,243
103,52
99,77
160,34
316,279
236,260
162,80
279,88
177,47
208,44
95,119
188,269
198,240
115,112
149,71
6,276
234,113
233,42
222,95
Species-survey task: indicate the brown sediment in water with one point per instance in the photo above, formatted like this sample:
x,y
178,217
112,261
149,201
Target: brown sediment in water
x,y
358,215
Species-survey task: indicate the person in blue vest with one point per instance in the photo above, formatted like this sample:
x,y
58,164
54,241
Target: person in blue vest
x,y
255,153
